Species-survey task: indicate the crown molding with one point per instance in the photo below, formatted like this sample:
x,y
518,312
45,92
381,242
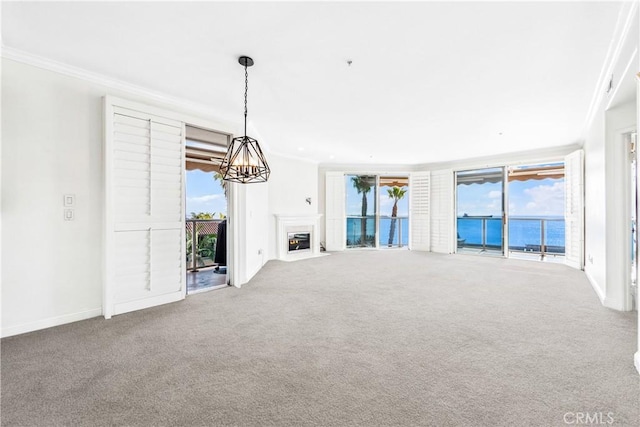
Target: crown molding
x,y
527,157
632,62
364,168
109,82
628,13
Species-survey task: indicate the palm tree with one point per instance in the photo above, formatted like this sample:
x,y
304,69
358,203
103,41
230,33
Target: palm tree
x,y
218,177
395,193
362,184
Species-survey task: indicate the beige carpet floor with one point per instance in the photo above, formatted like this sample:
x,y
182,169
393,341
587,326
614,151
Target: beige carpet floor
x,y
361,338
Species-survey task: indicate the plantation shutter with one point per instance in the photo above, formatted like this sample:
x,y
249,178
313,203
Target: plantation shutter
x,y
335,220
144,176
574,209
419,183
442,211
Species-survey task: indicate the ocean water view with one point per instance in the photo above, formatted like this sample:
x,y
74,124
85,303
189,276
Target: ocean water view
x,y
354,231
523,231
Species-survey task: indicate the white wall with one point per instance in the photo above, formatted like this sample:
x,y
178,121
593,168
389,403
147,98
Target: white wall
x,y
606,177
291,182
52,145
595,210
253,220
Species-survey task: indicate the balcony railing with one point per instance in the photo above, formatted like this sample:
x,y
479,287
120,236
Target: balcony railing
x,y
483,232
400,233
355,225
544,236
202,236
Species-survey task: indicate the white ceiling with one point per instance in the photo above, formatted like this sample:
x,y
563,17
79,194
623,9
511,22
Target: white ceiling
x,y
429,81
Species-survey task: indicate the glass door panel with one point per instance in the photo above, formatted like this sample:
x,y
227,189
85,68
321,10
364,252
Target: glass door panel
x,y
393,226
361,209
480,211
536,210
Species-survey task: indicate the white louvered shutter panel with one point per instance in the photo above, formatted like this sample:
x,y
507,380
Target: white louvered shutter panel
x,y
335,220
145,265
419,188
441,196
574,208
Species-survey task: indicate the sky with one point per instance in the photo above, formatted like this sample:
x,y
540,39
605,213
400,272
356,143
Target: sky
x,y
204,194
526,198
384,204
543,197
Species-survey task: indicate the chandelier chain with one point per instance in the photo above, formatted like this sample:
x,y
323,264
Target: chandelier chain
x,y
246,89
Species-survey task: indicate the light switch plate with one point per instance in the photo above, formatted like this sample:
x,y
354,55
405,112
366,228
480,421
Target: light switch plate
x,y
69,200
68,214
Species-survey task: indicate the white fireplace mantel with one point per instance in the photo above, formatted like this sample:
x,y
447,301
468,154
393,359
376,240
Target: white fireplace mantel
x,y
288,223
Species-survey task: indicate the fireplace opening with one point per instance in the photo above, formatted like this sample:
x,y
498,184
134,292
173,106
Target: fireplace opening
x,y
299,241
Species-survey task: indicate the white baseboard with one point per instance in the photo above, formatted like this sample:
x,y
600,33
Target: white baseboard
x,y
129,306
595,287
636,361
50,322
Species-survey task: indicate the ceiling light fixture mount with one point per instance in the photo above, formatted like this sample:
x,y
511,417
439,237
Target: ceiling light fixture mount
x,y
244,162
245,61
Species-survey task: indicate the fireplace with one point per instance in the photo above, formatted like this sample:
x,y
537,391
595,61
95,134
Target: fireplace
x,y
299,242
297,236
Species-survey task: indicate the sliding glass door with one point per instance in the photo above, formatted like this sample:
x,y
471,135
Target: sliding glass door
x,y
361,210
377,211
393,225
480,211
536,210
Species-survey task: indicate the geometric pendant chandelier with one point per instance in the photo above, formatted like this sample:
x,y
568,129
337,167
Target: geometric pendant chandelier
x,y
244,162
